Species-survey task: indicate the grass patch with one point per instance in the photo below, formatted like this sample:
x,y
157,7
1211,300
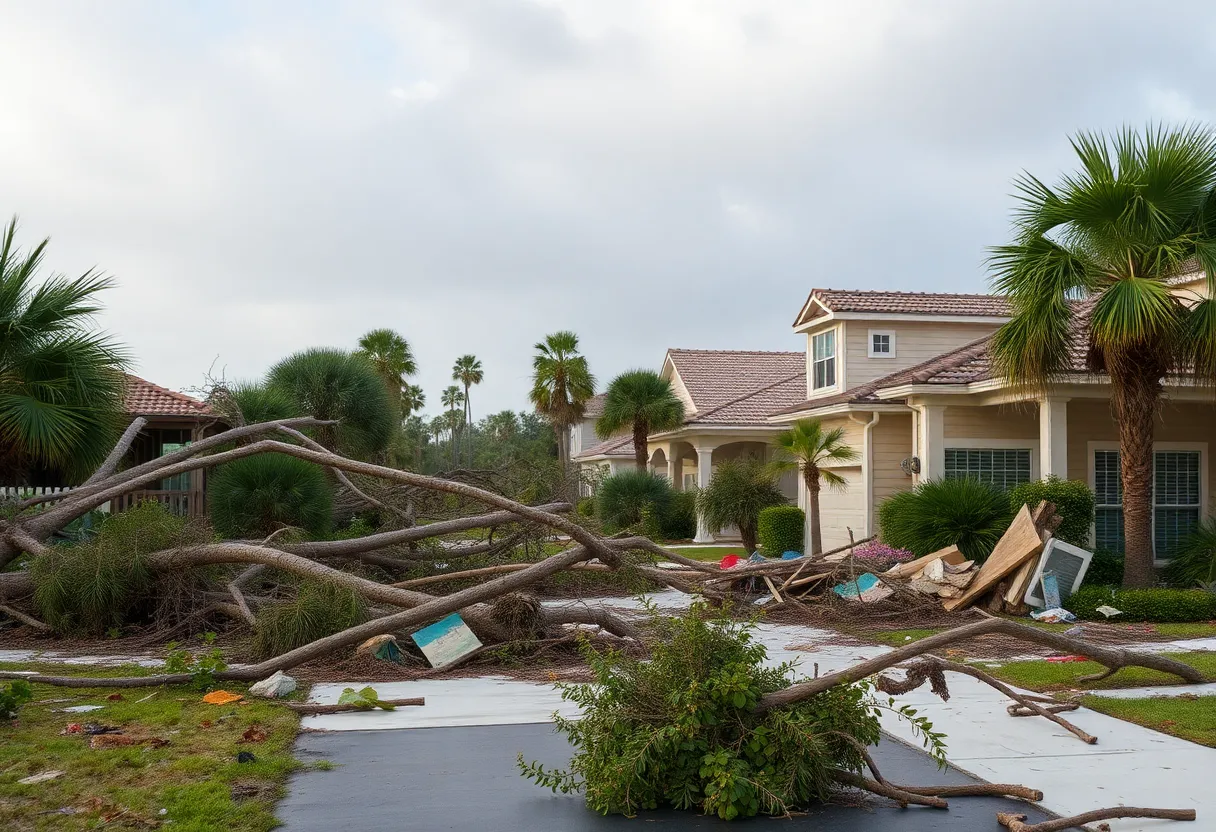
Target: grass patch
x,y
1190,719
196,778
1046,676
714,553
898,638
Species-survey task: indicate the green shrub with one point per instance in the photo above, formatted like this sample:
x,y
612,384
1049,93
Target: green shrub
x,y
13,695
781,529
965,512
679,522
1160,605
252,497
91,587
1074,501
1194,561
318,609
1106,569
738,492
680,728
586,507
622,496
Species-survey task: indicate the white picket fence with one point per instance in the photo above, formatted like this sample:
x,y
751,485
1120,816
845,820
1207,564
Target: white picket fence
x,y
22,492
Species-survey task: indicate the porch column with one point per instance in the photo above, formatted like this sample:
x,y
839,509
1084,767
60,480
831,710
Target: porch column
x,y
674,468
705,472
931,443
1053,437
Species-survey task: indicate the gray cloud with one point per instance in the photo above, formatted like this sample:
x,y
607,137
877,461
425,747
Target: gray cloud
x,y
265,177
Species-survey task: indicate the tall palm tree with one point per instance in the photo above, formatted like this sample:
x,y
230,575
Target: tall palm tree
x,y
413,399
807,447
561,385
644,402
1140,211
467,370
392,357
452,398
437,426
61,382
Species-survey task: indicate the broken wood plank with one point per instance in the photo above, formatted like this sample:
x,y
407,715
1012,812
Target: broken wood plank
x,y
950,554
772,587
1020,543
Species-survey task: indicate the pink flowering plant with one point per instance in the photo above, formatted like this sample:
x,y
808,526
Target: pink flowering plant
x,y
876,551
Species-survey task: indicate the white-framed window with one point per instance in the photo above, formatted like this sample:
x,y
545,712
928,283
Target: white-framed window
x,y
1178,486
1003,467
823,360
880,343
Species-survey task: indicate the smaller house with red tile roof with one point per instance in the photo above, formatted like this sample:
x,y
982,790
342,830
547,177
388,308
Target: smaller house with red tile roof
x,y
173,420
908,377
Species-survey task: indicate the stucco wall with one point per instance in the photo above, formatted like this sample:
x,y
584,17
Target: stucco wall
x,y
915,342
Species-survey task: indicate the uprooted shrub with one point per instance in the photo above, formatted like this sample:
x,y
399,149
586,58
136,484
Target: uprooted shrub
x,y
91,587
967,513
681,730
317,609
252,497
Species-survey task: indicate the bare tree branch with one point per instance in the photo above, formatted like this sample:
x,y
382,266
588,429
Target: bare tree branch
x,y
119,451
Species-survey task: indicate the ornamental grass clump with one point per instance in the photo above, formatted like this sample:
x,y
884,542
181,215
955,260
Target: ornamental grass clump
x,y
680,729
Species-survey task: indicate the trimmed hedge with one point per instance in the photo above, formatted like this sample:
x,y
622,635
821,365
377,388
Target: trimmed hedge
x,y
1074,502
780,529
1159,605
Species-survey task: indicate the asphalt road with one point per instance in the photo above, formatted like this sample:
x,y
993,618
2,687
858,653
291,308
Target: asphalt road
x,y
425,779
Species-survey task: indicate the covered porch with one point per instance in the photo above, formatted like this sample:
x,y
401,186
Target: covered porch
x,y
687,458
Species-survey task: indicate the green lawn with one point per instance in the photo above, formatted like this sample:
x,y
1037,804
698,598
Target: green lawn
x,y
1162,632
194,778
1041,675
713,553
1190,719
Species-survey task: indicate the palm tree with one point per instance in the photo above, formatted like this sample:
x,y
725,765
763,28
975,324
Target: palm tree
x,y
739,491
806,446
61,383
341,386
437,426
452,398
392,357
644,402
1141,211
412,399
467,370
561,385
503,426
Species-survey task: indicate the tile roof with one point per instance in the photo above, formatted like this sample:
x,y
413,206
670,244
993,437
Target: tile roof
x,y
739,387
616,446
907,303
593,408
143,398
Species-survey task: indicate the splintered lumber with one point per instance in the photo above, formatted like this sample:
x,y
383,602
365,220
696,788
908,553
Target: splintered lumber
x,y
773,589
1020,543
950,554
1020,582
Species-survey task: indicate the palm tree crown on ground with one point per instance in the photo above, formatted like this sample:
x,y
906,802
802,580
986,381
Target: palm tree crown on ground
x,y
392,357
805,446
642,401
561,385
467,370
1140,211
61,382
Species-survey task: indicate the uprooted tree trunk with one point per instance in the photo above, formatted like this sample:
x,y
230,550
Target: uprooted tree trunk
x,y
36,521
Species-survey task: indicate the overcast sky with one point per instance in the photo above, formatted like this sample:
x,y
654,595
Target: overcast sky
x,y
263,177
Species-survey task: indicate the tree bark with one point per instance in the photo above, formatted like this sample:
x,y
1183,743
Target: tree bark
x,y
1017,823
811,475
118,452
641,453
1135,396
